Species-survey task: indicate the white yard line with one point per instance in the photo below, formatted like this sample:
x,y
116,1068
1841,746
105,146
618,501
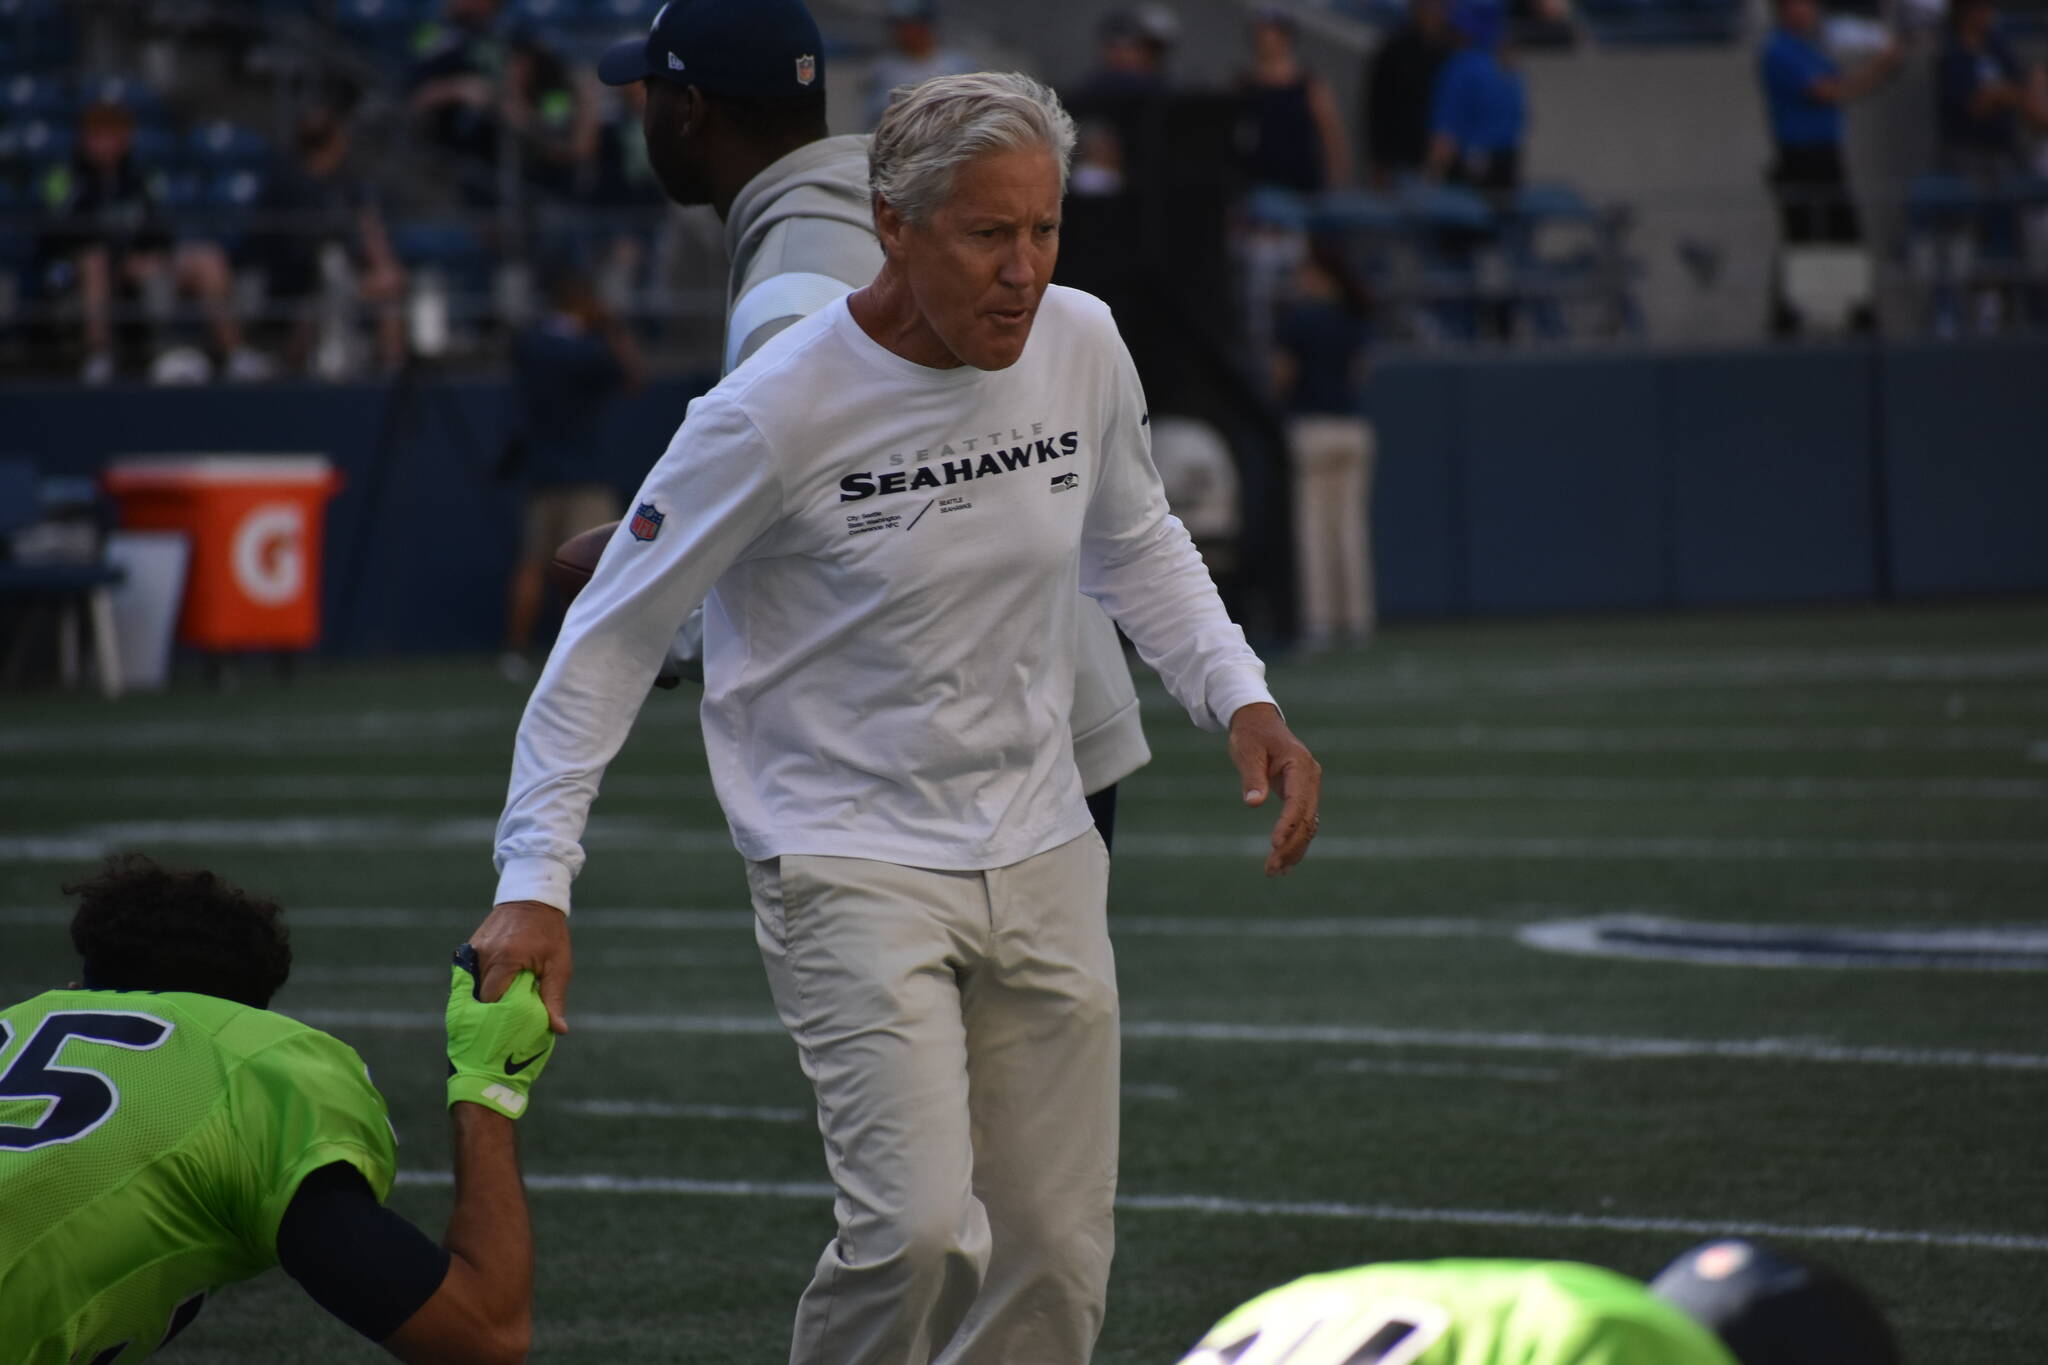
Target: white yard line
x,y
378,976
1165,1094
730,1113
1609,1047
1368,1066
191,789
1270,1208
380,833
1595,739
225,788
1397,676
1660,938
298,731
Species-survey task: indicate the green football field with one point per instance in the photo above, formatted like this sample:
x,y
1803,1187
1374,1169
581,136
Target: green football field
x,y
1620,934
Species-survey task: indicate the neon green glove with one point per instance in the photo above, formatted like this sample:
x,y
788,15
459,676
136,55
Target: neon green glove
x,y
496,1051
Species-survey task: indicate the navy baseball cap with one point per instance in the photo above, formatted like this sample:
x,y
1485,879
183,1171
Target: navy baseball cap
x,y
730,47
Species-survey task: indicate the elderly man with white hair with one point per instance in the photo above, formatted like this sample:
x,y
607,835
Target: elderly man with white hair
x,y
887,513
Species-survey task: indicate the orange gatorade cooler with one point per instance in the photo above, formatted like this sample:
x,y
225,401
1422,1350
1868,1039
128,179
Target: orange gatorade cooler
x,y
254,523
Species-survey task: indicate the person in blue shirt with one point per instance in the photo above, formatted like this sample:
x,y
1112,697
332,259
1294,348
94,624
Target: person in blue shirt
x,y
567,369
1479,112
1983,94
1805,91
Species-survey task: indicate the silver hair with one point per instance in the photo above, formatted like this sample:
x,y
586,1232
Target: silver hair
x,y
932,129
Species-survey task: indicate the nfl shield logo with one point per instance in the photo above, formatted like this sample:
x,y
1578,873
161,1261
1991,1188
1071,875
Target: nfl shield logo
x,y
646,522
806,69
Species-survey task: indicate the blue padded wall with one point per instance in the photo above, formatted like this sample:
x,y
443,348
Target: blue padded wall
x,y
1770,468
1562,497
1966,467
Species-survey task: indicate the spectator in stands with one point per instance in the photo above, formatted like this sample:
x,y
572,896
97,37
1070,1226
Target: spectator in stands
x,y
1984,95
566,370
553,112
1297,141
455,96
1318,359
914,55
1132,50
1479,111
1805,91
1400,83
315,204
624,189
110,228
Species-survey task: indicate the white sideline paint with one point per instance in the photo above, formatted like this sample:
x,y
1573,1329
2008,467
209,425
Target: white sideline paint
x,y
296,732
491,790
86,842
740,1113
1557,739
1367,1066
1123,926
1169,1094
1606,1047
1661,939
642,1109
382,976
1269,1208
1398,675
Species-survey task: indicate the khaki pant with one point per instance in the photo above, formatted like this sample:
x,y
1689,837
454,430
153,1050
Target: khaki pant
x,y
1332,459
960,1031
554,514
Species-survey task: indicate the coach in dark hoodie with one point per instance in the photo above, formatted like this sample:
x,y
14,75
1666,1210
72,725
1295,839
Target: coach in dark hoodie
x,y
736,119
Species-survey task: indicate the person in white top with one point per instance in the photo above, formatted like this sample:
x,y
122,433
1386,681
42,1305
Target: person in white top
x,y
887,513
736,125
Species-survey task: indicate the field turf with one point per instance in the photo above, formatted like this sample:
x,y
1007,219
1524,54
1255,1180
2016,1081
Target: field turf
x,y
1361,1061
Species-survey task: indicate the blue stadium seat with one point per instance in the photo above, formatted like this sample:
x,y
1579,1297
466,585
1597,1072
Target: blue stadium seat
x,y
546,11
180,189
387,26
1941,201
1273,207
29,96
155,146
1355,211
38,140
1549,201
1446,208
230,196
453,247
126,91
221,145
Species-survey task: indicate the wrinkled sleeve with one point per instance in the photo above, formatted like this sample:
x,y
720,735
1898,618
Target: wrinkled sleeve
x,y
716,492
1139,562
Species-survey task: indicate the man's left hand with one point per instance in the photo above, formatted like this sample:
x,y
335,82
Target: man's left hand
x,y
1269,757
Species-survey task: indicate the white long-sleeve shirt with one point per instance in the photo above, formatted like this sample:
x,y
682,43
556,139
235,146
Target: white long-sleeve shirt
x,y
889,556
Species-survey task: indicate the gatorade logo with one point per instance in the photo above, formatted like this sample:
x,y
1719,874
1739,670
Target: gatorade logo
x,y
268,555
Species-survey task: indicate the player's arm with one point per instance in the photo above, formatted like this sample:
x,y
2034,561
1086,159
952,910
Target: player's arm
x,y
465,1302
483,1310
468,1301
708,499
1139,562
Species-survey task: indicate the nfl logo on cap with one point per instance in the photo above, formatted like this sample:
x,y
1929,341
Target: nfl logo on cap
x,y
806,68
646,524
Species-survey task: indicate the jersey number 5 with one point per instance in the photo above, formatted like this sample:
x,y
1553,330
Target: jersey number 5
x,y
83,1099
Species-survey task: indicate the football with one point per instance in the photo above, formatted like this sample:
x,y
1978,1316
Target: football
x,y
576,559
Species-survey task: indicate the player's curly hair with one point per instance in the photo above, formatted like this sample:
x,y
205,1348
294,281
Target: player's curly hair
x,y
143,927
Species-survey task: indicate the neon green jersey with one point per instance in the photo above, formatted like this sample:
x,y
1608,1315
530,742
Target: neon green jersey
x,y
149,1144
1462,1313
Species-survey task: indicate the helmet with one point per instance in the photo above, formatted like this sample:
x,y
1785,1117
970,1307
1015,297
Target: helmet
x,y
1773,1310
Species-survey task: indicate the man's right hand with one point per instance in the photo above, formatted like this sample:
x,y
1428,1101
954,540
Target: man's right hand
x,y
526,936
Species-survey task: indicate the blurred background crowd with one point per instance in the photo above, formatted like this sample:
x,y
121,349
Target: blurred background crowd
x,y
237,191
